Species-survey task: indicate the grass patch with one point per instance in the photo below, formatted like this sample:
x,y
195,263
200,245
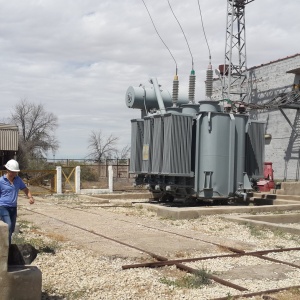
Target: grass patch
x,y
294,237
26,225
190,281
41,241
279,233
229,296
255,231
38,243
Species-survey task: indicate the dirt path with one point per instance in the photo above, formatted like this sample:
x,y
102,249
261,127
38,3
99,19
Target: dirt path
x,y
100,226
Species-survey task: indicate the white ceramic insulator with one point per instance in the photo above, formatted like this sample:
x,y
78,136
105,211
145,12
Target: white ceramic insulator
x,y
209,83
175,92
192,86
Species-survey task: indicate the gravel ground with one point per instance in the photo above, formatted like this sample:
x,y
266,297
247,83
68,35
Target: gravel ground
x,y
75,273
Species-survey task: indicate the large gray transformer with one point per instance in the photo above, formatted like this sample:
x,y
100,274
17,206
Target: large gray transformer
x,y
193,151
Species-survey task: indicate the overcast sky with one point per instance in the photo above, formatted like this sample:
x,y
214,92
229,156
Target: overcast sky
x,y
78,57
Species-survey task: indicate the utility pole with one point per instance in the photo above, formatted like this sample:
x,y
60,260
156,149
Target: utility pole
x,y
234,75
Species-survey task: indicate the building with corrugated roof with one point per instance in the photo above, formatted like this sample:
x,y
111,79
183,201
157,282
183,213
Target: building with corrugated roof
x,y
9,138
275,88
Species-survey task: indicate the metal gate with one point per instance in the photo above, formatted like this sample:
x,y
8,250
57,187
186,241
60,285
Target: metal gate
x,y
40,182
68,179
43,182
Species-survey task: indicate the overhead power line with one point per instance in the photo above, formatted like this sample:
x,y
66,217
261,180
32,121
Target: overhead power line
x,y
204,30
183,34
160,36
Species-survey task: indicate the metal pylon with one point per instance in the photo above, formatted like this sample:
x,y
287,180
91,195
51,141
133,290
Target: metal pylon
x,y
234,75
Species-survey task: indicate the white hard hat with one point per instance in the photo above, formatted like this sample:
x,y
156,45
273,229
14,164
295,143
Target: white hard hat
x,y
12,165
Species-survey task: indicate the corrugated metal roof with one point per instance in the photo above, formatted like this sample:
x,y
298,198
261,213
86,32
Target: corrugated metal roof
x,y
9,137
8,126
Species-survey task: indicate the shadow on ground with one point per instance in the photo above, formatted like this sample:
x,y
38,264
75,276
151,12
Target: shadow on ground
x,y
46,296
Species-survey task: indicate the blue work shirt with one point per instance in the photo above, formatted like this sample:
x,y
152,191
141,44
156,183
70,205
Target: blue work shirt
x,y
9,192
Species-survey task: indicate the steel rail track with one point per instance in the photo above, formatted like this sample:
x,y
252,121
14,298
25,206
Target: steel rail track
x,y
158,257
259,293
258,254
237,252
163,261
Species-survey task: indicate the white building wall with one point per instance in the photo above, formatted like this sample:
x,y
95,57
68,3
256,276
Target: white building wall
x,y
268,81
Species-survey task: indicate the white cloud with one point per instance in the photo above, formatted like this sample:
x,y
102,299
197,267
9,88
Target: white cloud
x,y
78,57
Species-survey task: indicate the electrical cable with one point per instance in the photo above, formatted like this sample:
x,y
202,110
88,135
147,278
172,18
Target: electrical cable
x,y
209,71
183,33
160,36
192,79
204,31
284,99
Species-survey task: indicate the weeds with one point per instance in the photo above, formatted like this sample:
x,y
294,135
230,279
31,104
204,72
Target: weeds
x,y
255,231
38,243
26,225
194,281
229,296
50,245
279,233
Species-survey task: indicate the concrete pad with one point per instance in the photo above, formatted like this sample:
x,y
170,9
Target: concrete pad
x,y
271,272
285,202
289,188
94,199
281,218
288,197
196,212
130,196
276,196
273,222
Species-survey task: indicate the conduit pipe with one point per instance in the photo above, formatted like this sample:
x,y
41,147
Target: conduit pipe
x,y
158,95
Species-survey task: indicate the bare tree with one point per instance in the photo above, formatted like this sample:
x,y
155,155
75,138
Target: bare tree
x,y
101,147
36,128
123,153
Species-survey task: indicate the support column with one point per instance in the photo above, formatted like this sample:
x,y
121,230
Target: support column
x,y
77,180
110,179
58,180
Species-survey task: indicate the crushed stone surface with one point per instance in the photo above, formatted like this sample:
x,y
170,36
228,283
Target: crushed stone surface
x,y
86,268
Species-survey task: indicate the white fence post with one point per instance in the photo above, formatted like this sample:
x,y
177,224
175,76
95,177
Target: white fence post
x,y
110,179
77,180
58,180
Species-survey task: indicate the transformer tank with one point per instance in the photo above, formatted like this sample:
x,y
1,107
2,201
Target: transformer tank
x,y
193,151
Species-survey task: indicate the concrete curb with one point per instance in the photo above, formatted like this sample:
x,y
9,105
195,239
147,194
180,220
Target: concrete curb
x,y
196,212
275,222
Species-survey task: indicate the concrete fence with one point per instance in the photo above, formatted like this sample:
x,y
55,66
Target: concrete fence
x,y
78,190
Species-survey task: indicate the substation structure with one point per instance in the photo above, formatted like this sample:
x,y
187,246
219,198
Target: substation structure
x,y
186,151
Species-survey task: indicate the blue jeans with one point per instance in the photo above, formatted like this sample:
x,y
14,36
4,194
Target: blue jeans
x,y
9,216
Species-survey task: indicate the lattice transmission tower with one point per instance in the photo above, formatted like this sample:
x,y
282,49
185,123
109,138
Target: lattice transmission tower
x,y
235,85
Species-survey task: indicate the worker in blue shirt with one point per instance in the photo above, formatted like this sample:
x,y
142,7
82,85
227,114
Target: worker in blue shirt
x,y
10,184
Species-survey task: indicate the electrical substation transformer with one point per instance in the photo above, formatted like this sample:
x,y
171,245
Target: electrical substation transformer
x,y
191,151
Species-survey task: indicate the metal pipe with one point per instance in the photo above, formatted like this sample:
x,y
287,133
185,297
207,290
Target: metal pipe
x,y
259,293
258,254
158,95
